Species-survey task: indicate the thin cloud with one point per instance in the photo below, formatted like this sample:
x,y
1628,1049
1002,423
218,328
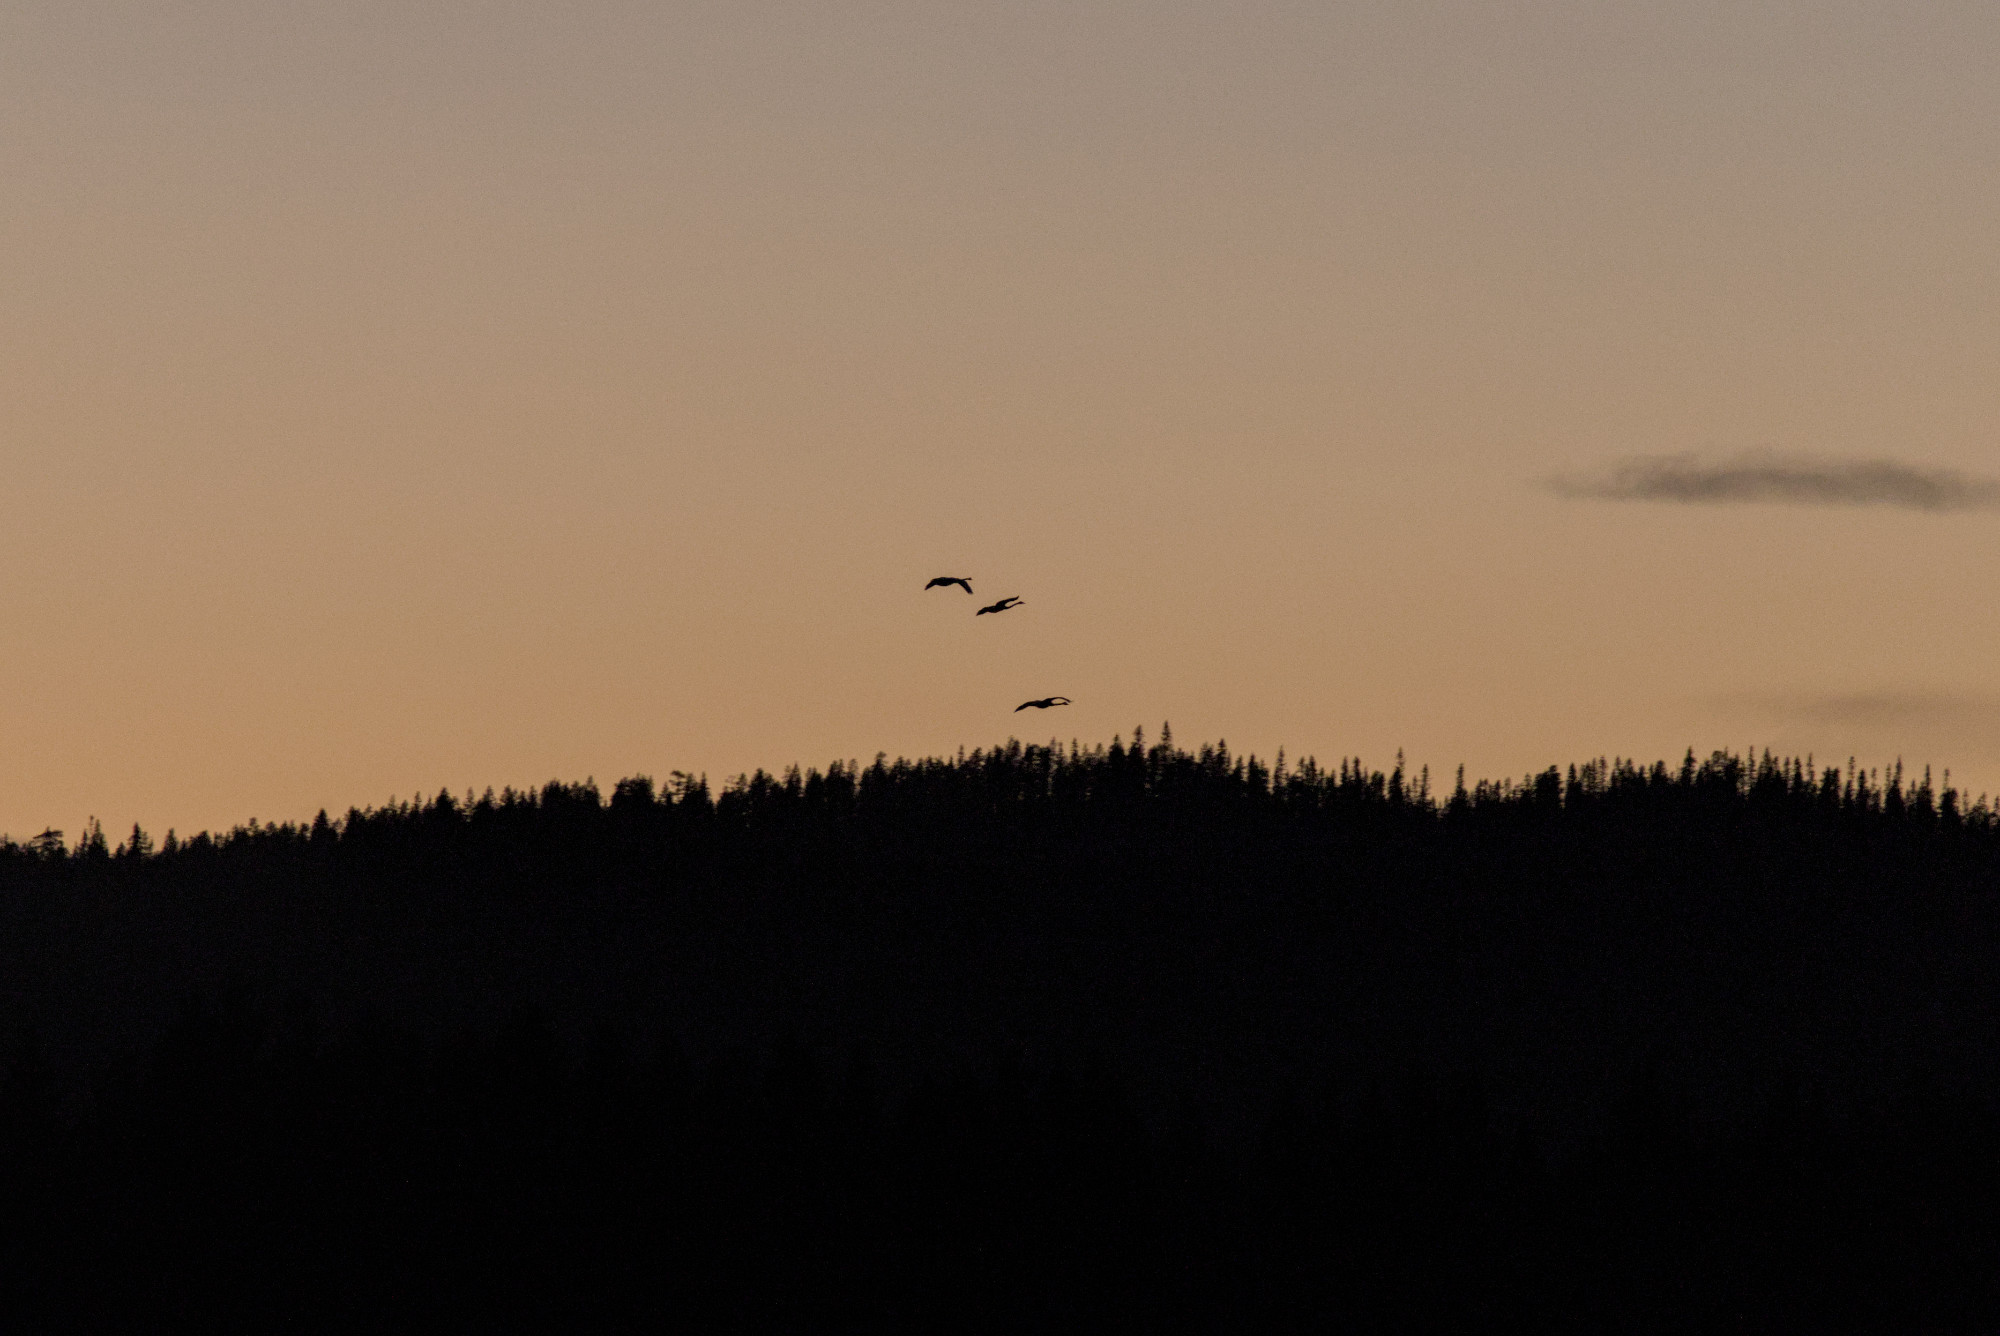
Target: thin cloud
x,y
1890,709
1784,480
1886,708
1957,728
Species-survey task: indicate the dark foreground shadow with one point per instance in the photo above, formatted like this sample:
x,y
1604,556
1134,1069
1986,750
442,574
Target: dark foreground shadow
x,y
250,1172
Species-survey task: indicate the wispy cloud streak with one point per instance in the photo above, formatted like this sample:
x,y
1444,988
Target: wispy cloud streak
x,y
1889,709
1915,723
1782,479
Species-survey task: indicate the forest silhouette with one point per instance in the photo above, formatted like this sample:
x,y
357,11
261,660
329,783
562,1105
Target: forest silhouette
x,y
1127,1034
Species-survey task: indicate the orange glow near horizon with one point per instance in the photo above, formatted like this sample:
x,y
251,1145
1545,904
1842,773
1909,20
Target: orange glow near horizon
x,y
392,401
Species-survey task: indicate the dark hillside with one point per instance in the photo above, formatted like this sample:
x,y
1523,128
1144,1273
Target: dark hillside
x,y
1563,1044
1196,920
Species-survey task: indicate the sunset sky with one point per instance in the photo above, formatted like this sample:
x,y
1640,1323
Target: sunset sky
x,y
402,396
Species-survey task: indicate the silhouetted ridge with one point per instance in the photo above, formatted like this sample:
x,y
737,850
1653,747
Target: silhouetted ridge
x,y
1017,780
1118,1034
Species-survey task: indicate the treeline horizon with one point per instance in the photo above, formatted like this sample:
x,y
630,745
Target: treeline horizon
x,y
1165,1039
1211,778
1719,917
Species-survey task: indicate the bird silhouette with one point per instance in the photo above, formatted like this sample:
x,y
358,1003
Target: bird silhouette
x,y
1001,606
1041,704
958,580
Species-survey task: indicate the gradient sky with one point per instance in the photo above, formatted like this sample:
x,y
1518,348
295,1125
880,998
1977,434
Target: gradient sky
x,y
402,396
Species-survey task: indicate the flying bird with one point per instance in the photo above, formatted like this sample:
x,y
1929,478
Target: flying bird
x,y
1001,606
958,580
1041,704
